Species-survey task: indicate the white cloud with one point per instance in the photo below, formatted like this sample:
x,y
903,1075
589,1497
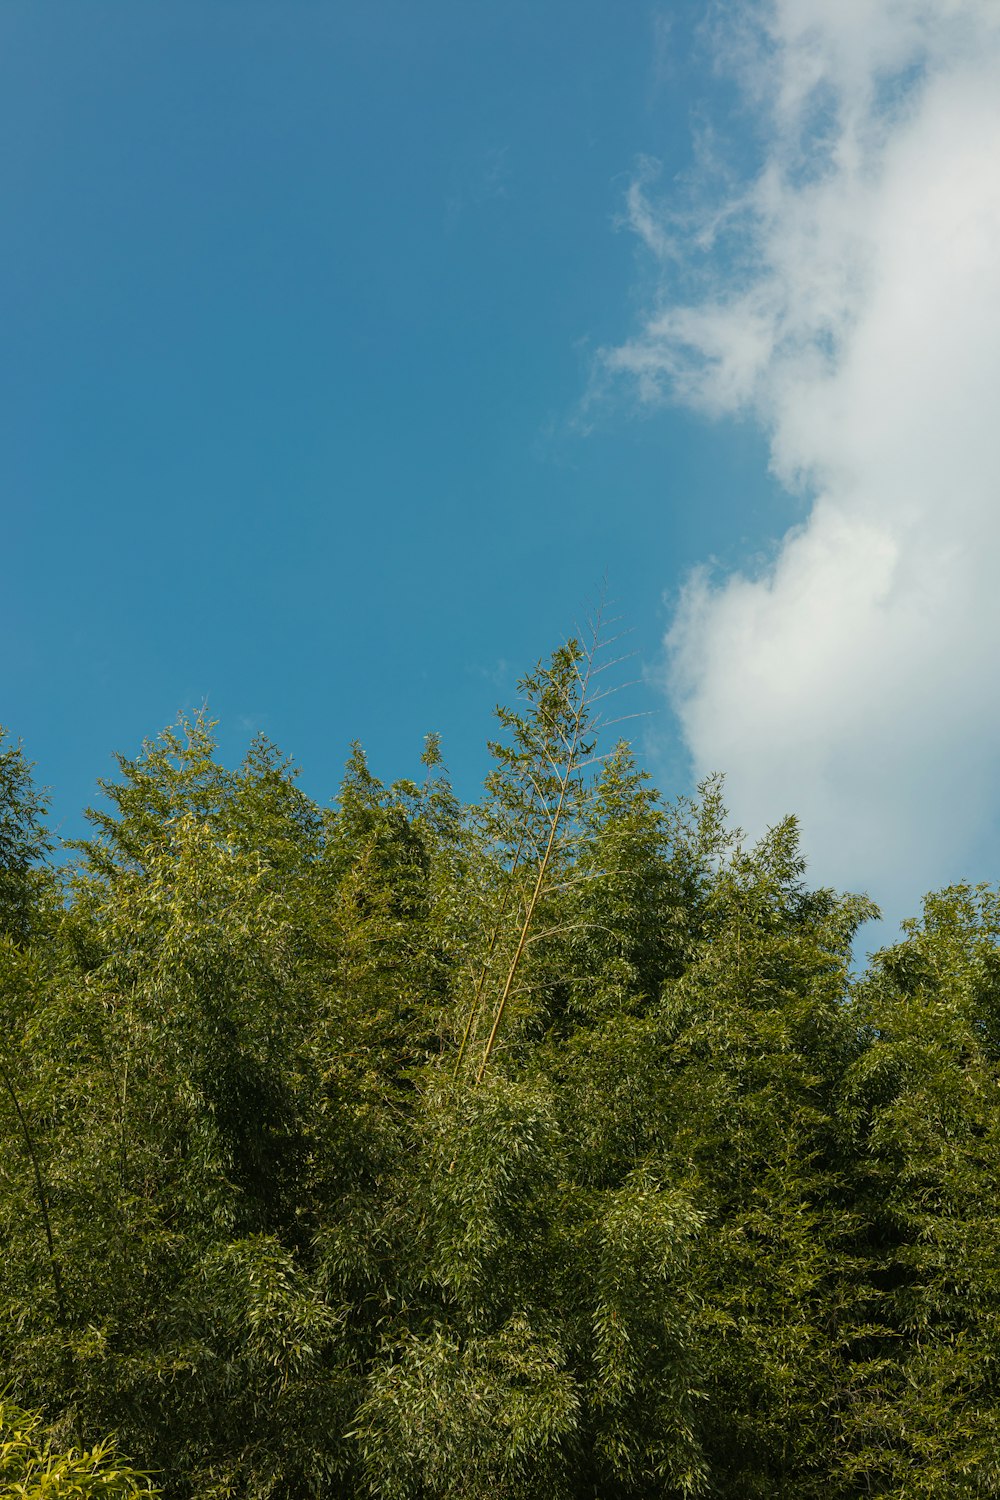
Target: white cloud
x,y
851,302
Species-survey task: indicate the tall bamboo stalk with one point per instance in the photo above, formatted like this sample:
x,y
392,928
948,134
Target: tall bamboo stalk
x,y
41,1198
571,765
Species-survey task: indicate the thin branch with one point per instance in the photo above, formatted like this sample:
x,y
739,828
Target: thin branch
x,y
644,713
563,927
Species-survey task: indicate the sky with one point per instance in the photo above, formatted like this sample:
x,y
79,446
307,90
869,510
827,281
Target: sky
x,y
351,350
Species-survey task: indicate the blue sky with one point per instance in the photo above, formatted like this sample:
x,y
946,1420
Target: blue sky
x,y
301,308
347,347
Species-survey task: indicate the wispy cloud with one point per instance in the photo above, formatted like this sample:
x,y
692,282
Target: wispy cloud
x,y
848,297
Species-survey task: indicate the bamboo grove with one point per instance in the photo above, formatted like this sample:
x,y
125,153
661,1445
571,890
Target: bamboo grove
x,y
544,1147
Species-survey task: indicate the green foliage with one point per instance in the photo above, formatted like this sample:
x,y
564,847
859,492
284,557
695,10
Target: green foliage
x,y
485,1415
33,1466
23,843
546,1146
922,1101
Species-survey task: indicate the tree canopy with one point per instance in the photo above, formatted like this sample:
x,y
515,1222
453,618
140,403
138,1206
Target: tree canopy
x,y
550,1145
